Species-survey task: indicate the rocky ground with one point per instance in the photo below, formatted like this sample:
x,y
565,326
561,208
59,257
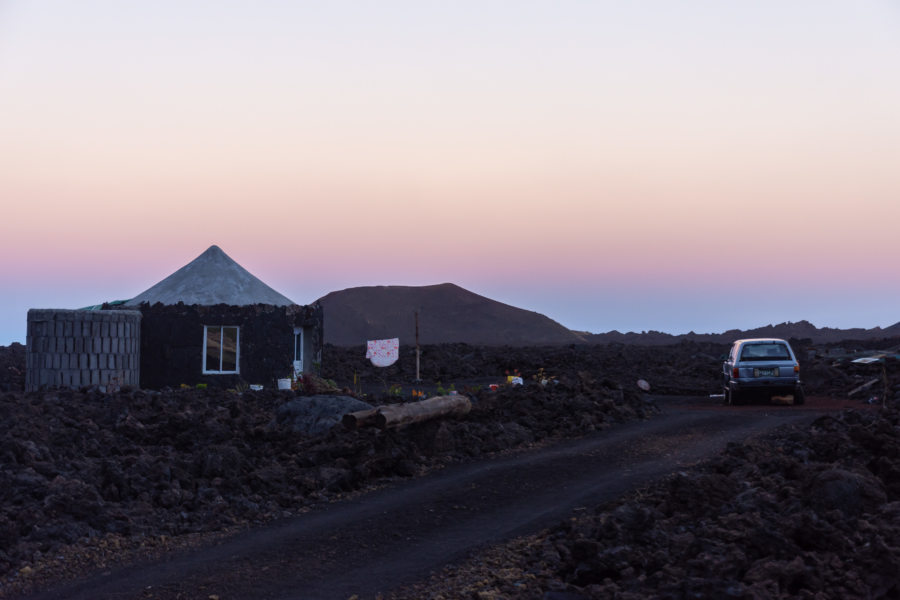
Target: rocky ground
x,y
88,478
12,367
689,368
802,513
686,368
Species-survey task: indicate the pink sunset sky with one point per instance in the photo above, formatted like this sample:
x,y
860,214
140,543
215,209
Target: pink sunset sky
x,y
660,165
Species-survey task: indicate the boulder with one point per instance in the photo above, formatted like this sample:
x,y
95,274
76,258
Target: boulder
x,y
312,415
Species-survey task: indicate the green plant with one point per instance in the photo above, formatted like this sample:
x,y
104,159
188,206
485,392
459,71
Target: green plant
x,y
395,390
543,377
442,391
201,386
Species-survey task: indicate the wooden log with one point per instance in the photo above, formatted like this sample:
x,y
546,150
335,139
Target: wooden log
x,y
398,415
360,418
864,386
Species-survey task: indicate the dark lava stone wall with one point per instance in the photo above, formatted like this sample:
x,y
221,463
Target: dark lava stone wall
x,y
76,348
172,342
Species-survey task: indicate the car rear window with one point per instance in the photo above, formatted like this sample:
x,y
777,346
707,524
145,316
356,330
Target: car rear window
x,y
765,352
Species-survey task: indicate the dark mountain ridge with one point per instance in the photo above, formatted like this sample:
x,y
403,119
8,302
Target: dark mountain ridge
x,y
799,330
450,314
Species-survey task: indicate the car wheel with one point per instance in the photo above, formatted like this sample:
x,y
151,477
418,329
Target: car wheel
x,y
799,396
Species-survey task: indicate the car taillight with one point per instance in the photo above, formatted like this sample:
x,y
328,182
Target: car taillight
x,y
796,368
735,372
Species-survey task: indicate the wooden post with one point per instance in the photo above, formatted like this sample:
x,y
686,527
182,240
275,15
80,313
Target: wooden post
x,y
418,379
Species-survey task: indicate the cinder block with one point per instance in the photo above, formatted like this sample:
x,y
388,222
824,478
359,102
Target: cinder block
x,y
106,345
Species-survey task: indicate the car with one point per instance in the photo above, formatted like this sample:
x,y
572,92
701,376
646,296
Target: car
x,y
761,367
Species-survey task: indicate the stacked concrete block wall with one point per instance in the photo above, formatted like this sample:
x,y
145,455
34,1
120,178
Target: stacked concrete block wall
x,y
76,348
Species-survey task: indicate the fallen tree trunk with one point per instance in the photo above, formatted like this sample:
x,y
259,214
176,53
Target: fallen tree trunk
x,y
398,415
360,418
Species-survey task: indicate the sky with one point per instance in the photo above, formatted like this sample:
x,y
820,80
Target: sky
x,y
671,166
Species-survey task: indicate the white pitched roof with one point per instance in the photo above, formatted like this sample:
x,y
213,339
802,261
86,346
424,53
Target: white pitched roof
x,y
211,278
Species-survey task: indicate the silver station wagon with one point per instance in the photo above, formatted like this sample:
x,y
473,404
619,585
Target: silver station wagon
x,y
761,368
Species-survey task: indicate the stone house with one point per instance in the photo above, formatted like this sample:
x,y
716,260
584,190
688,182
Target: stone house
x,y
209,322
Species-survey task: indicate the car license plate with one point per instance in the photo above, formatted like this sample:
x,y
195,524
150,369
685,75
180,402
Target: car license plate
x,y
765,372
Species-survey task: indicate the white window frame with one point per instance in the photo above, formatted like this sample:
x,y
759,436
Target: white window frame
x,y
237,357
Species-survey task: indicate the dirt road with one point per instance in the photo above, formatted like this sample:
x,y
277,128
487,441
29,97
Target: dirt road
x,y
400,534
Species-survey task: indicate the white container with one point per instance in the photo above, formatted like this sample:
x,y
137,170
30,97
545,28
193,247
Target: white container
x,y
284,384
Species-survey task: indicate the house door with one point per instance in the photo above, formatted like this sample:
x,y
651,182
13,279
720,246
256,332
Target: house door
x,y
298,351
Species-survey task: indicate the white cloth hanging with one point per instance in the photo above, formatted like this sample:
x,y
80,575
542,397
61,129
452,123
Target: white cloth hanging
x,y
383,353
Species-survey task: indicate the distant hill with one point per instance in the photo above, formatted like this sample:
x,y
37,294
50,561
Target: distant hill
x,y
447,313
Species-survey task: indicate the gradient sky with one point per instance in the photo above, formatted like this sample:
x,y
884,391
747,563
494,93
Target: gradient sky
x,y
675,166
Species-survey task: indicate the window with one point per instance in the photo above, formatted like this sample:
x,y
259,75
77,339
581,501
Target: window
x,y
221,350
765,351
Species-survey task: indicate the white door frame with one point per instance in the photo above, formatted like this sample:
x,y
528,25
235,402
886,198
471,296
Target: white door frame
x,y
298,351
